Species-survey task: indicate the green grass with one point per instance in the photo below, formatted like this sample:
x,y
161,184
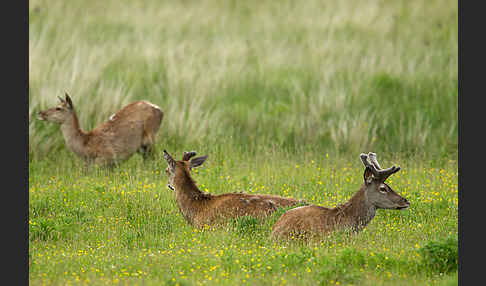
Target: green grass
x,y
124,226
282,97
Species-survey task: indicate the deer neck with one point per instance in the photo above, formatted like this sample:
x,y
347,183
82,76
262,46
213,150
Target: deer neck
x,y
188,196
73,135
358,211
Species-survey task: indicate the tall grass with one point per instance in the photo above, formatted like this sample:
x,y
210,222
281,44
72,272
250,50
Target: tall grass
x,y
341,76
282,96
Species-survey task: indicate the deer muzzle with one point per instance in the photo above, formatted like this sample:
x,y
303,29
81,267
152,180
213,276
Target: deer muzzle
x,y
41,115
404,204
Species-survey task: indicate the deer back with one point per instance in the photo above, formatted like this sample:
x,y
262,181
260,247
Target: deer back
x,y
129,125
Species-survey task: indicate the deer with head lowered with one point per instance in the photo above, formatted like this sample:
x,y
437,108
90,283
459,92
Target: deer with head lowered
x,y
201,208
130,130
316,221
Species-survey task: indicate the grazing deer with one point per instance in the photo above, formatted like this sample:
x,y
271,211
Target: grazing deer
x,y
200,208
130,130
314,221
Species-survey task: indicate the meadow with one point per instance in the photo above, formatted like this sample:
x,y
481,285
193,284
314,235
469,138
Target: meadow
x,y
282,97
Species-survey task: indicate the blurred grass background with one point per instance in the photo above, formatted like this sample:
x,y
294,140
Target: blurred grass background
x,y
345,76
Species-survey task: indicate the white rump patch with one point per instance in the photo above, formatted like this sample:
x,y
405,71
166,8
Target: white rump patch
x,y
112,117
151,104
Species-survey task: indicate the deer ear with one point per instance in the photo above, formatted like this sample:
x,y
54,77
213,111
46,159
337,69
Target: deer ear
x,y
68,100
170,161
188,155
368,175
198,161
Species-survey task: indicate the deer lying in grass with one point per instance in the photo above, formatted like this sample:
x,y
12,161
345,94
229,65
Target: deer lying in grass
x,y
130,130
200,208
315,221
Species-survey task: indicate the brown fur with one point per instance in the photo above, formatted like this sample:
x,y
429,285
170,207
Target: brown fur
x,y
131,129
316,221
199,208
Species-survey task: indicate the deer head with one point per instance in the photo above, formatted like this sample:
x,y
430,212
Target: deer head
x,y
58,114
381,195
178,167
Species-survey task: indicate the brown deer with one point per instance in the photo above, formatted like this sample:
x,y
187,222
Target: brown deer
x,y
316,221
130,130
201,208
